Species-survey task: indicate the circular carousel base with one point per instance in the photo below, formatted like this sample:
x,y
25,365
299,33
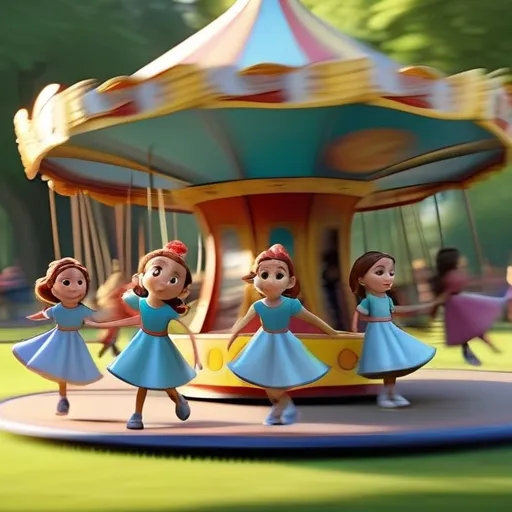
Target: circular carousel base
x,y
449,408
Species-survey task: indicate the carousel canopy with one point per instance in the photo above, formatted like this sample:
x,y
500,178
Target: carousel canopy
x,y
268,90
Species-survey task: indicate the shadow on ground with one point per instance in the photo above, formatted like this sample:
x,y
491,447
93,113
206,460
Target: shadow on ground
x,y
385,503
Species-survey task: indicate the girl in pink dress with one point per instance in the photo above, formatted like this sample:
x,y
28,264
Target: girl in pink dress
x,y
466,315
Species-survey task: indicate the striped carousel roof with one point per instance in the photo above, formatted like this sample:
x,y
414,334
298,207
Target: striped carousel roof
x,y
268,74
256,33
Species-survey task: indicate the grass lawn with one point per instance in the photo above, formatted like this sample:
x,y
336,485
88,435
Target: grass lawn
x,y
38,477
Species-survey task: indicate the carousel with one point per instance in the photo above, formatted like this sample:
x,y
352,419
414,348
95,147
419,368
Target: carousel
x,y
270,127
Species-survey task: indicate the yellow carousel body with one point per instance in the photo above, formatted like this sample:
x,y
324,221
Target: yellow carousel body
x,y
270,127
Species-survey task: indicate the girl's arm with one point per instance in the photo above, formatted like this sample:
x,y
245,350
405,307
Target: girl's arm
x,y
125,322
37,317
418,308
355,321
317,322
44,314
240,324
192,337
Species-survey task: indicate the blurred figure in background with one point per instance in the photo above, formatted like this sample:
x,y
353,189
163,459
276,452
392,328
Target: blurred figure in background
x,y
109,301
466,315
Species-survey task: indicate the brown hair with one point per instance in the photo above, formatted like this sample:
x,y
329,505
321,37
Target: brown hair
x,y
175,251
276,252
44,285
361,267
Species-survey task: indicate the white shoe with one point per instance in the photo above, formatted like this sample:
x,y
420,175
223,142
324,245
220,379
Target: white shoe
x,y
385,402
400,401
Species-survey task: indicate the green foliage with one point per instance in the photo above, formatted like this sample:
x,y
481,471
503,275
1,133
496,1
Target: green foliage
x,y
452,36
208,10
349,16
65,41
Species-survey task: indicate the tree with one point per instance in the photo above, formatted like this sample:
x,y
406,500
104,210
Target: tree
x,y
207,10
65,41
453,35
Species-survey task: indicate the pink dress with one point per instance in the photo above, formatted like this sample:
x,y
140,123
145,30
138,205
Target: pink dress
x,y
468,315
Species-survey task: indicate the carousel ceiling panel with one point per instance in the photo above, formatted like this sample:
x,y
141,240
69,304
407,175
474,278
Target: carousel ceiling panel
x,y
351,142
100,142
214,145
364,139
276,143
189,144
452,170
83,171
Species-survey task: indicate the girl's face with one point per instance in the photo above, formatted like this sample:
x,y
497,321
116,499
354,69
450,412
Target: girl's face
x,y
273,278
164,278
70,286
379,279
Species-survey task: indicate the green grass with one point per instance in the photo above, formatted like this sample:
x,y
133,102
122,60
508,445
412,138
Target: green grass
x,y
37,477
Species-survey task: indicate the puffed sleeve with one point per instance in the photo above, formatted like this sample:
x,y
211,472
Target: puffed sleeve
x,y
131,300
391,305
86,312
173,314
48,313
295,307
364,307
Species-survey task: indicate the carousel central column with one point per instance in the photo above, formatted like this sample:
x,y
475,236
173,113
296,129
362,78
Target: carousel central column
x,y
314,226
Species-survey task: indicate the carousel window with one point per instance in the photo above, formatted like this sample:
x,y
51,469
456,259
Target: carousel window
x,y
236,262
283,236
331,278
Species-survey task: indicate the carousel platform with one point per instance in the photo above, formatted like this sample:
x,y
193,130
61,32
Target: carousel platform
x,y
450,408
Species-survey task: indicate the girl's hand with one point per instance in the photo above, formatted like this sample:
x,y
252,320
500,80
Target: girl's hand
x,y
136,279
231,341
346,334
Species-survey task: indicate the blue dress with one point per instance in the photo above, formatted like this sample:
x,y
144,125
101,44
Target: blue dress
x,y
388,351
275,358
151,360
60,355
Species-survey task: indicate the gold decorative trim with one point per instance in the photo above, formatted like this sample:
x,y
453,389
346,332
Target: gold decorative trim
x,y
58,116
195,195
92,155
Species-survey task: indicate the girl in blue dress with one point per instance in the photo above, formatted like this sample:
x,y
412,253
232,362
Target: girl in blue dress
x,y
388,351
61,355
275,359
151,360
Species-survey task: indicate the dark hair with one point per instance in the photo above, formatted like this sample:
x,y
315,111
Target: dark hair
x,y
447,259
175,251
361,267
276,252
44,285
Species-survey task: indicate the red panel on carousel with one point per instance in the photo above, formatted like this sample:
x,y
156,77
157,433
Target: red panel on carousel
x,y
289,209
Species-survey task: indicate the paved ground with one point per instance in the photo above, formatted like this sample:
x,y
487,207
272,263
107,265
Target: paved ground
x,y
441,399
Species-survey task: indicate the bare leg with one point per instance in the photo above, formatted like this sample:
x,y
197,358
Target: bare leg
x,y
469,356
182,406
397,399
103,350
63,389
173,395
489,343
277,398
275,395
389,386
135,421
140,399
63,403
